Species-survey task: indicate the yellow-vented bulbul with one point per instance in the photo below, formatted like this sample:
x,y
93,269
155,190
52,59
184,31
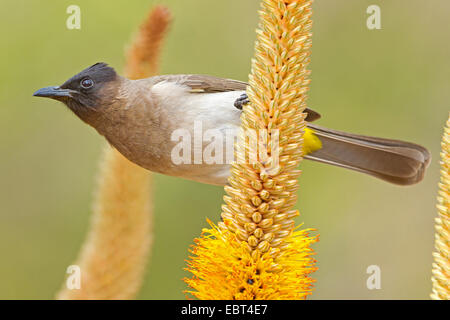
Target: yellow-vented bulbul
x,y
138,118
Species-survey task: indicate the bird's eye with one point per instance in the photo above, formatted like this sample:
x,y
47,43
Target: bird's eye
x,y
86,83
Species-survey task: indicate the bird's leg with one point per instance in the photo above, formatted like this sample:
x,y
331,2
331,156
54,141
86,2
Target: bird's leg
x,y
241,101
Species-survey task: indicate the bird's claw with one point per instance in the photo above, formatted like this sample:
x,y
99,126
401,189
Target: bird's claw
x,y
241,101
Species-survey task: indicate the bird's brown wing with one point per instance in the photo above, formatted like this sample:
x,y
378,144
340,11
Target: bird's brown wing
x,y
210,84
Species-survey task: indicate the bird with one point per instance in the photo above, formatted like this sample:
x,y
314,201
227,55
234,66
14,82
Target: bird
x,y
140,118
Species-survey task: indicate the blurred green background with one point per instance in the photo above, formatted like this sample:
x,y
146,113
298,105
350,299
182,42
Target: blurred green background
x,y
392,83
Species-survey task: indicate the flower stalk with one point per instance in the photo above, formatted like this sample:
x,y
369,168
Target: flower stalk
x,y
441,266
113,258
256,252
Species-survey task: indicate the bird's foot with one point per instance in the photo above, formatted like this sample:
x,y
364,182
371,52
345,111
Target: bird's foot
x,y
241,101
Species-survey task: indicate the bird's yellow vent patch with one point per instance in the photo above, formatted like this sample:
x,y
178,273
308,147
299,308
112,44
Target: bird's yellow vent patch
x,y
311,142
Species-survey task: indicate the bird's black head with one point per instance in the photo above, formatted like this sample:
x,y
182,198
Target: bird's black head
x,y
86,91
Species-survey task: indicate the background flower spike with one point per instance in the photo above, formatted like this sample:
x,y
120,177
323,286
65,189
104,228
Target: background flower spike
x,y
115,253
441,266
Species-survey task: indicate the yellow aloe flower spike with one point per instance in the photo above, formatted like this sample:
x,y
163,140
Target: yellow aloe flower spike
x,y
256,252
441,265
113,258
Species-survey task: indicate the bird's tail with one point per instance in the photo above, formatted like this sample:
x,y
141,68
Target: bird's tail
x,y
394,161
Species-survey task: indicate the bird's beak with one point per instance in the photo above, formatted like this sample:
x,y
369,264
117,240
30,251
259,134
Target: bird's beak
x,y
53,92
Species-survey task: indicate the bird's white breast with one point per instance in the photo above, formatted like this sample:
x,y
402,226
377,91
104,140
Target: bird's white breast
x,y
181,109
